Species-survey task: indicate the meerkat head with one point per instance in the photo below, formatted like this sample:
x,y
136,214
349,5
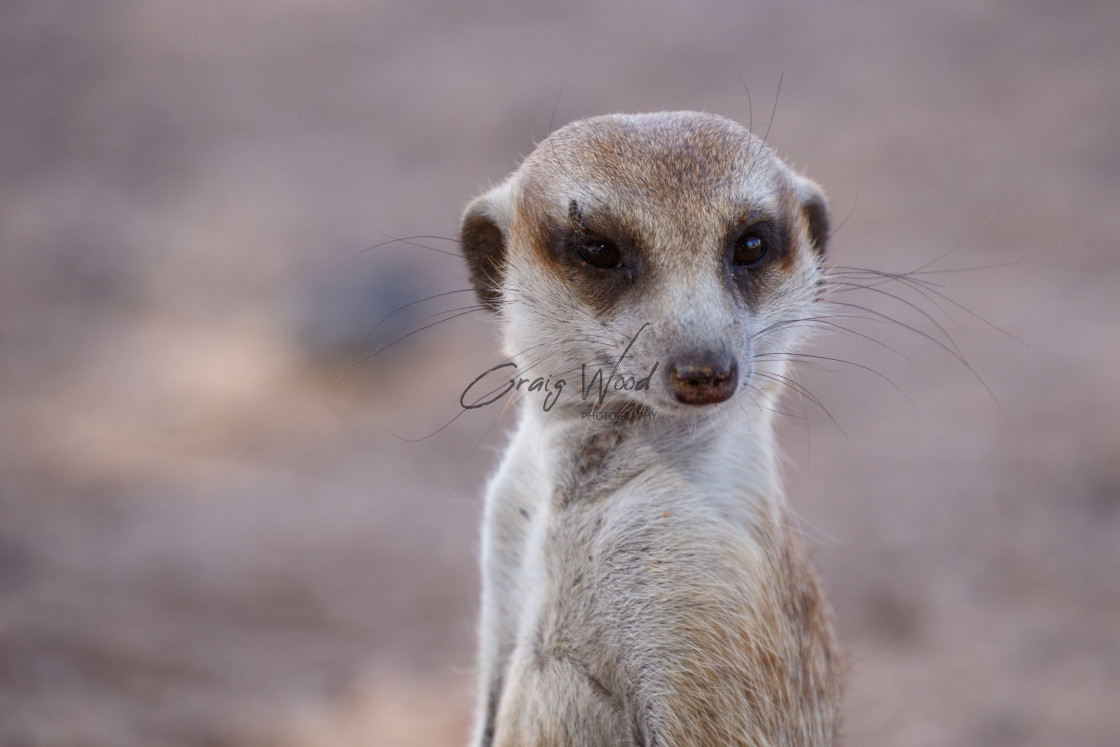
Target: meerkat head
x,y
679,234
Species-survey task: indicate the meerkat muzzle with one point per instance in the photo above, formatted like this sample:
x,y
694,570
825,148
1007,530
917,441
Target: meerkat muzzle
x,y
703,378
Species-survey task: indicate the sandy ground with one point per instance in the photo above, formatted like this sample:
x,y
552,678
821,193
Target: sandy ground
x,y
217,526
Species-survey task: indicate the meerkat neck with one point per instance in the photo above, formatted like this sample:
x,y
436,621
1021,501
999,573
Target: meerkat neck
x,y
733,454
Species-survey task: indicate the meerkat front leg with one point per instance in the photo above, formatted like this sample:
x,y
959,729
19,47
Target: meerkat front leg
x,y
509,514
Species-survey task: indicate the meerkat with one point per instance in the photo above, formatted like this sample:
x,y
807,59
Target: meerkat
x,y
641,583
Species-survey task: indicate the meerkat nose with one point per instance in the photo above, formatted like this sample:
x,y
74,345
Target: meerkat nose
x,y
704,377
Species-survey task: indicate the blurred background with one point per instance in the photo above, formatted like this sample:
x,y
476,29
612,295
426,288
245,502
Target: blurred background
x,y
224,520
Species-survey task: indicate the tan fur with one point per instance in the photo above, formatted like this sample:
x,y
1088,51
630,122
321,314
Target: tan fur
x,y
641,585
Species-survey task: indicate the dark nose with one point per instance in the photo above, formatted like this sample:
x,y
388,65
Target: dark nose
x,y
703,378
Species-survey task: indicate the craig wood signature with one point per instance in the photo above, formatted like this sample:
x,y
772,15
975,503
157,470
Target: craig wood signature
x,y
553,388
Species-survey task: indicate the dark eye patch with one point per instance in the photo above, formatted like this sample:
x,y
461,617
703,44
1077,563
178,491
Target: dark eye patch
x,y
593,242
596,257
757,250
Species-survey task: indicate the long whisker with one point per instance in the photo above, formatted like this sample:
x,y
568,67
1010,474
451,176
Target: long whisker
x,y
806,394
774,110
907,279
950,343
828,323
797,357
463,311
412,241
950,350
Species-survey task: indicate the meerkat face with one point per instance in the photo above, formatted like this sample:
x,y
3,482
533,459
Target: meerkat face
x,y
676,242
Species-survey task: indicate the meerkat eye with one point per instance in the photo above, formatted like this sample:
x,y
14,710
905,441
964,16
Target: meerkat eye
x,y
750,249
601,253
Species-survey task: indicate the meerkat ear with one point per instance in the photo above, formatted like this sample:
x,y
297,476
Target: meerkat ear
x,y
484,234
815,208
